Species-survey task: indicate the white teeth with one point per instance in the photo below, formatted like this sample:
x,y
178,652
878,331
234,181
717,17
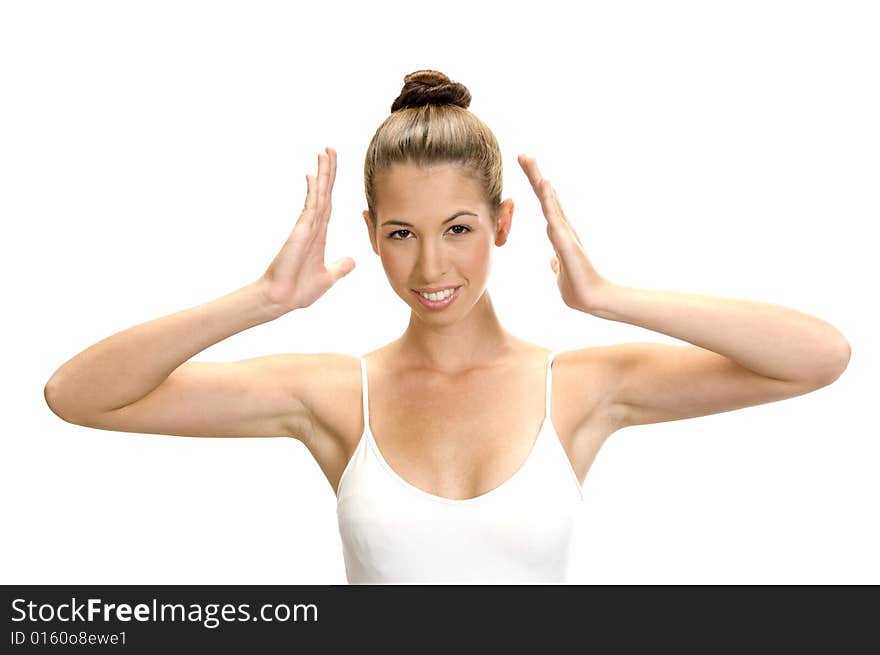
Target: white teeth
x,y
437,296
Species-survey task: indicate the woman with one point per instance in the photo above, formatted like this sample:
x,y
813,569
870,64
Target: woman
x,y
457,451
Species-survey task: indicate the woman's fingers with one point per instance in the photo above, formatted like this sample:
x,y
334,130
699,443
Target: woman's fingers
x,y
332,154
326,177
316,184
310,193
530,166
323,173
319,189
550,204
564,217
330,172
541,187
531,170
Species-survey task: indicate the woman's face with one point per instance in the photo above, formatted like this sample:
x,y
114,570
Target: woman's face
x,y
433,230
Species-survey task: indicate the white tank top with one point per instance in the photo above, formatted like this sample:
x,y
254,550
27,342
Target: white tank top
x,y
517,533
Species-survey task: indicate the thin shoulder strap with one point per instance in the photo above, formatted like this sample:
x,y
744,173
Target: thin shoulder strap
x,y
550,357
364,392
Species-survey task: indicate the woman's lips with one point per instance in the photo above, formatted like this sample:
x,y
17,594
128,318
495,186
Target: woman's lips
x,y
438,304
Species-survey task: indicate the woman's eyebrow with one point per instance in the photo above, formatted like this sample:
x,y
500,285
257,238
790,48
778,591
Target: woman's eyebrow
x,y
454,216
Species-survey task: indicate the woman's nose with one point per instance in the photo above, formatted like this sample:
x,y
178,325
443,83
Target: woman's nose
x,y
433,260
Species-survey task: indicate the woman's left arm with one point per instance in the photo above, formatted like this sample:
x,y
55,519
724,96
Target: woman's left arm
x,y
774,341
771,340
744,352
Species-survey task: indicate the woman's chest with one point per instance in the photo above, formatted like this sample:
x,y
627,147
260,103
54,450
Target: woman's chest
x,y
457,440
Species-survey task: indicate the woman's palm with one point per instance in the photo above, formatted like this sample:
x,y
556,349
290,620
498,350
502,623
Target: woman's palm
x,y
297,276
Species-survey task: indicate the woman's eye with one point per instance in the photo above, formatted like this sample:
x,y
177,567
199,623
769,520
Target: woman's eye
x,y
392,234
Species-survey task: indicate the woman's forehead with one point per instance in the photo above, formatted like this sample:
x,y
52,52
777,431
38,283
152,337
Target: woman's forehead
x,y
408,184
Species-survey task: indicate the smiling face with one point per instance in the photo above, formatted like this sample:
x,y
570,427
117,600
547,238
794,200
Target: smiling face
x,y
434,230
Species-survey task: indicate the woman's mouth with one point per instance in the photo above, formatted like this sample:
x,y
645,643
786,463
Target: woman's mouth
x,y
440,300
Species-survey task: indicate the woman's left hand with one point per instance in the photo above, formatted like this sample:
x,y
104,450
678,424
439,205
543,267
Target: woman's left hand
x,y
579,283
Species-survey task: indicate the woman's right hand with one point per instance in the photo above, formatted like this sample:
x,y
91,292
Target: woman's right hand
x,y
297,276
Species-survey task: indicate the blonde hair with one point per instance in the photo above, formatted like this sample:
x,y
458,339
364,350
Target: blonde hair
x,y
430,124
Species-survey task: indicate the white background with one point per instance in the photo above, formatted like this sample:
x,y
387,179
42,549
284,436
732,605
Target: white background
x,y
153,158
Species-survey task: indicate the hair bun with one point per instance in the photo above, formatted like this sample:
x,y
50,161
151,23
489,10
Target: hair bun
x,y
430,87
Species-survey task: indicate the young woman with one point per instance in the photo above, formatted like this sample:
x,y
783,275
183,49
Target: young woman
x,y
457,451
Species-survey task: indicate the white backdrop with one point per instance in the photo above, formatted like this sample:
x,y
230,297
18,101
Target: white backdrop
x,y
153,158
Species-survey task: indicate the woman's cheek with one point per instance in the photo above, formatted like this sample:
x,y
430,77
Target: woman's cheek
x,y
478,257
395,267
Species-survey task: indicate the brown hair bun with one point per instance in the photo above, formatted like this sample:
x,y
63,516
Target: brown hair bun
x,y
430,87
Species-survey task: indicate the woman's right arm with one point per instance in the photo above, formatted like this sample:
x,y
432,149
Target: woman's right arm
x,y
140,379
145,368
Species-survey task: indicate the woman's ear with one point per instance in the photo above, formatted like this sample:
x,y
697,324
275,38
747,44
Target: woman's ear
x,y
371,231
503,218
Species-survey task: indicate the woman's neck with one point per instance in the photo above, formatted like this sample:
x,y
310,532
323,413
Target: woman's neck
x,y
475,340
